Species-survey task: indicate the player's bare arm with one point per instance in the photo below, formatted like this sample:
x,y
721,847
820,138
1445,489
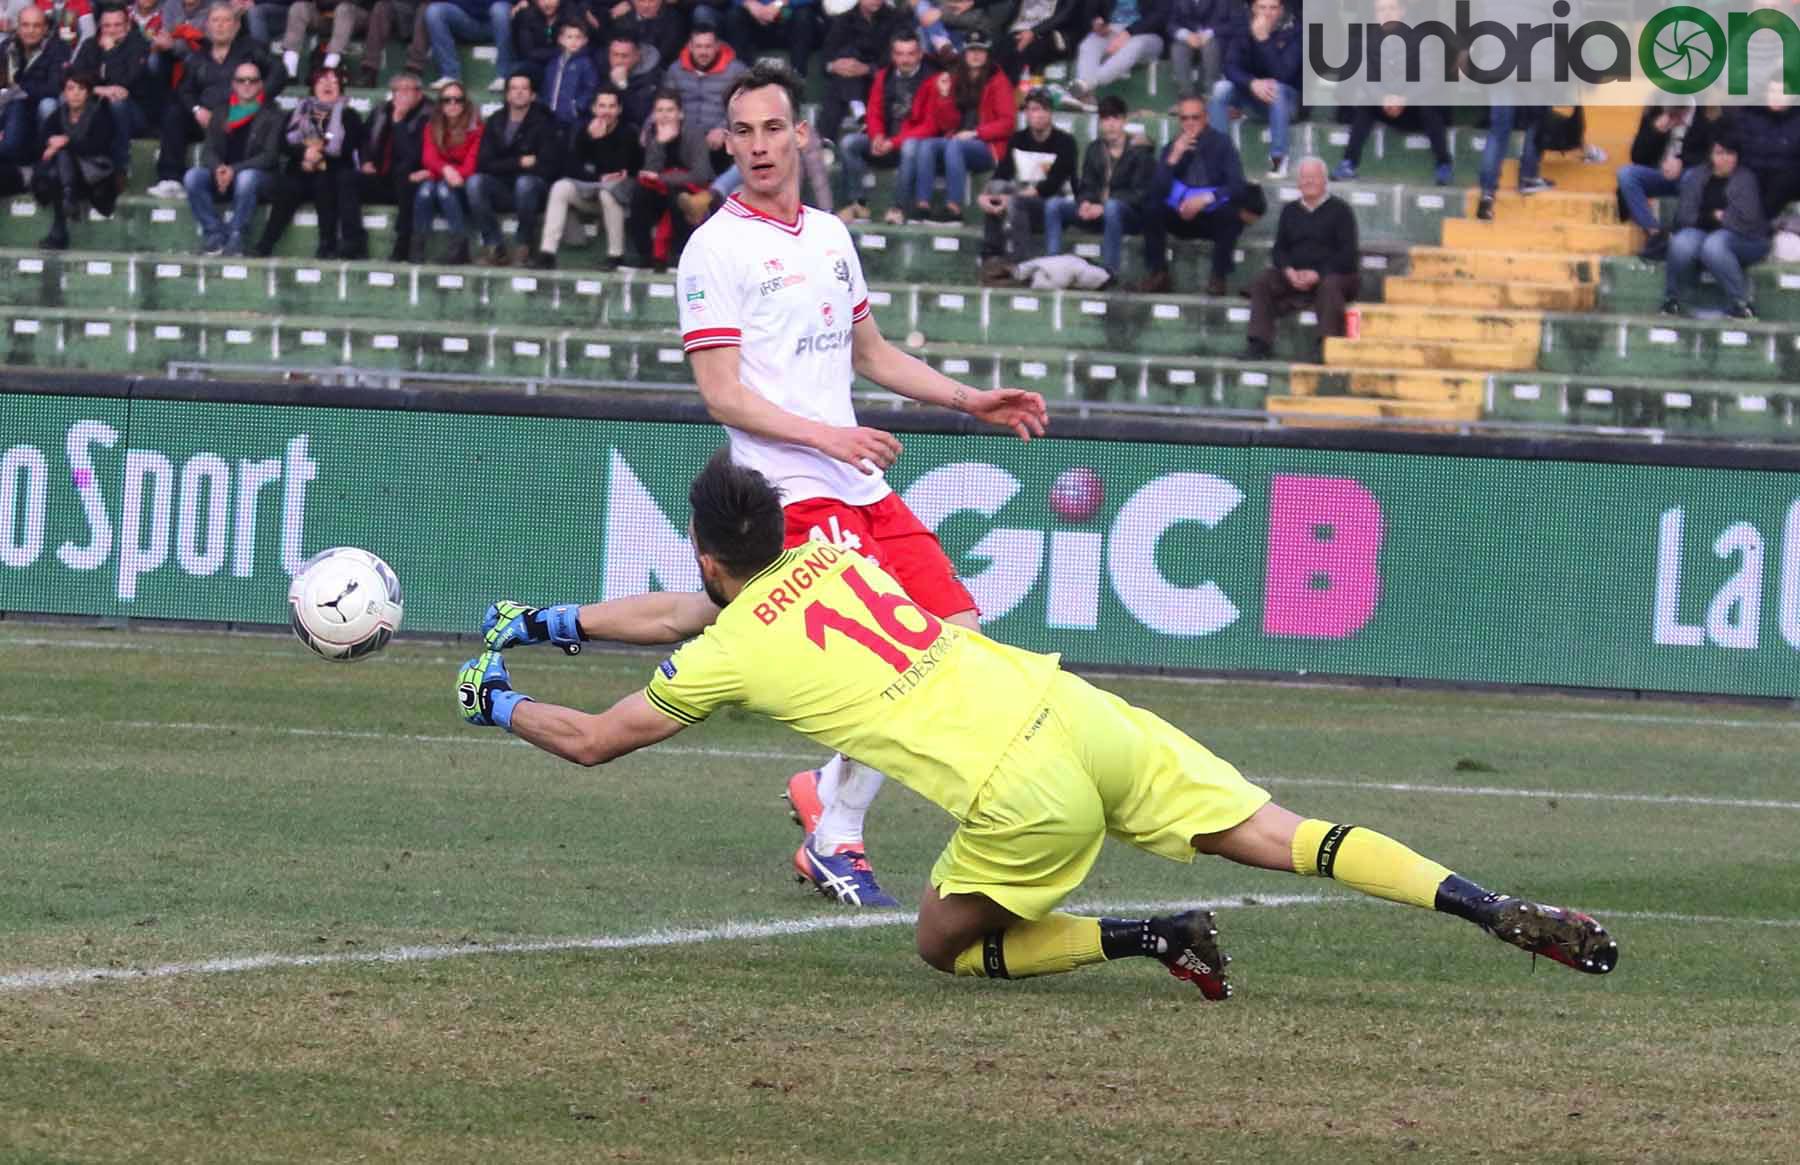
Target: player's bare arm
x,y
878,360
658,617
589,739
732,404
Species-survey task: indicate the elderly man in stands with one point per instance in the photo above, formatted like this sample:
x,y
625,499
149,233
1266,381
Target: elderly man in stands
x,y
244,133
1670,139
32,62
1197,192
1315,262
207,83
1719,225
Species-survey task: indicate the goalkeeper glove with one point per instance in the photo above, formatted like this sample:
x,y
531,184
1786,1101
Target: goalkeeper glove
x,y
509,624
484,692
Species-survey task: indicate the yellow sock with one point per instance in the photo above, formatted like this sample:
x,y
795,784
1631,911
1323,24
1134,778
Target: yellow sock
x,y
1052,945
1369,861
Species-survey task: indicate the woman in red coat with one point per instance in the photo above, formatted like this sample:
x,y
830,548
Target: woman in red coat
x,y
452,143
970,111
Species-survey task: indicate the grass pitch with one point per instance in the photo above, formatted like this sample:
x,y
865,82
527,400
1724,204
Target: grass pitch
x,y
173,801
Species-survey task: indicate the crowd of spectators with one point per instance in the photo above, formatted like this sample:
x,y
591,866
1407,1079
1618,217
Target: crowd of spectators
x,y
611,112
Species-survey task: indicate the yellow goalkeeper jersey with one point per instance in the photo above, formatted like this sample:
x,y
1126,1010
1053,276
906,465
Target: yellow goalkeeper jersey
x,y
825,642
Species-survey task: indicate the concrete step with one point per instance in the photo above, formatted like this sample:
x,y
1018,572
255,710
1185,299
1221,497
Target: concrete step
x,y
1401,354
1468,388
1521,296
1450,325
1583,238
1516,265
1570,173
1549,206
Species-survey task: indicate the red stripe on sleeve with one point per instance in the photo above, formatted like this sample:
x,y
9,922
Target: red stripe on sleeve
x,y
711,338
860,311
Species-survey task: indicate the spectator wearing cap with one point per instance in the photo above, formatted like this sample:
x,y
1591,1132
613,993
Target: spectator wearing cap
x,y
512,172
393,150
1315,262
602,159
571,77
1123,35
790,25
631,71
118,59
1262,75
1037,167
1769,135
1115,176
970,111
452,146
856,48
1198,191
1719,225
323,136
32,61
1669,140
1032,34
76,166
699,79
206,85
885,144
237,164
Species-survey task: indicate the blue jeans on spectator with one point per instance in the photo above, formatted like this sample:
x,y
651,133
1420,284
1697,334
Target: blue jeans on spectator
x,y
267,21
248,187
128,119
1118,218
1722,252
437,197
523,193
959,157
446,23
854,162
1502,120
1280,112
19,127
1637,186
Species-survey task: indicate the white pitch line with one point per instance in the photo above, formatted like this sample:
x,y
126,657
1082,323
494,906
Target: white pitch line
x,y
1555,794
54,978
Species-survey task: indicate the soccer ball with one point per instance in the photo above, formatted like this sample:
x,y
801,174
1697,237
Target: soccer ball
x,y
345,603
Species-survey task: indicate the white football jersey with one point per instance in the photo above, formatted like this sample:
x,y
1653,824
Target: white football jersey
x,y
786,295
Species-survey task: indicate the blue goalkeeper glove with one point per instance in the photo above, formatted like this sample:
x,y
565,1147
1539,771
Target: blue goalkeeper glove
x,y
509,624
484,692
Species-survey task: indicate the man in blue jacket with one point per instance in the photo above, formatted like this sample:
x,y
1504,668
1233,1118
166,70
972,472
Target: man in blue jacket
x,y
1262,75
1199,192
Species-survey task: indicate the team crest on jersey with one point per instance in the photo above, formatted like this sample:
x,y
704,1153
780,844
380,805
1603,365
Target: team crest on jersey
x,y
825,310
772,266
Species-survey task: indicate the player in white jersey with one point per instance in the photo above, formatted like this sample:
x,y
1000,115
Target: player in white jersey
x,y
775,317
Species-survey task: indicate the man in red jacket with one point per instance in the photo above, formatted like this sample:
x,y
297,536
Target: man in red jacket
x,y
885,145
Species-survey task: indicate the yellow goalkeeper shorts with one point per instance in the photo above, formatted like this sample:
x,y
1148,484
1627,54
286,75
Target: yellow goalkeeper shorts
x,y
1087,765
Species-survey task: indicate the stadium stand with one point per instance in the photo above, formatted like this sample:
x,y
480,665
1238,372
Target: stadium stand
x,y
1542,316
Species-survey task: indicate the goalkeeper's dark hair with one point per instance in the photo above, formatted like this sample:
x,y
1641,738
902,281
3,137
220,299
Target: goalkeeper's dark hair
x,y
737,515
763,74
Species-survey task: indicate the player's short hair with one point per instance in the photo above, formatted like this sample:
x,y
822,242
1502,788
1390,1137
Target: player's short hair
x,y
737,515
763,74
